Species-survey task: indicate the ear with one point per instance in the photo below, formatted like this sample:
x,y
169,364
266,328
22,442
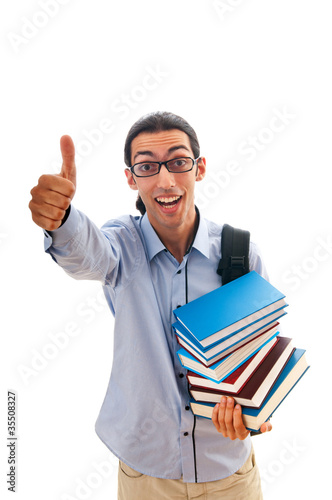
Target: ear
x,y
131,180
201,169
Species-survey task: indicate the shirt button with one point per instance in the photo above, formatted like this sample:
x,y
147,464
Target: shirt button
x,y
181,375
179,272
185,433
178,307
187,408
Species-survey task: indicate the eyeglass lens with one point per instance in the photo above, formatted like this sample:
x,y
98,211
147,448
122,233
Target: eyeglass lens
x,y
151,168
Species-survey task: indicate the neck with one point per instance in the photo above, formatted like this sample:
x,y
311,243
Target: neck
x,y
178,240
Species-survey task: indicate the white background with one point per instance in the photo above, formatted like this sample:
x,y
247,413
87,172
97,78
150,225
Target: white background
x,y
228,72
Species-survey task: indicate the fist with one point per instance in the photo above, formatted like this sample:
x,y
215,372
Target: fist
x,y
54,193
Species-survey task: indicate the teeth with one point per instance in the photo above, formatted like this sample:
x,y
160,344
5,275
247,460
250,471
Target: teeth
x,y
168,200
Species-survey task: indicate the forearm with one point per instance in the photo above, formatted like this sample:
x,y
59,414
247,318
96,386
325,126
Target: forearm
x,y
81,249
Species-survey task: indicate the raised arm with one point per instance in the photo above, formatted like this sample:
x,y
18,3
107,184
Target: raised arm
x,y
82,249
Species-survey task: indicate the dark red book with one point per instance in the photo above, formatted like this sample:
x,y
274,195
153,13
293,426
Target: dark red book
x,y
256,388
236,380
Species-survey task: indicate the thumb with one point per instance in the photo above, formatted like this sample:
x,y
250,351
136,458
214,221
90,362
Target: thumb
x,y
266,427
68,169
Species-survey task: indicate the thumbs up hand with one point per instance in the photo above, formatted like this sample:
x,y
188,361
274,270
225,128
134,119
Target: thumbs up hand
x,y
54,193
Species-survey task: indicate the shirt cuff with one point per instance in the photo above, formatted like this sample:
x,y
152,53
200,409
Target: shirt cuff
x,y
65,232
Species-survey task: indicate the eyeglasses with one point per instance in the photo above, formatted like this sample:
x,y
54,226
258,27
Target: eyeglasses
x,y
175,166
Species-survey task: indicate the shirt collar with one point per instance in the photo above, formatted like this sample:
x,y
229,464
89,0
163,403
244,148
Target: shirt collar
x,y
154,244
201,241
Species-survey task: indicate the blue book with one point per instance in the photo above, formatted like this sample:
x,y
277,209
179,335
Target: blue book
x,y
212,354
227,365
253,418
230,308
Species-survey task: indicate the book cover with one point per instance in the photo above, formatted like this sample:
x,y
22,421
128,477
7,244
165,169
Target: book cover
x,y
231,384
257,387
253,418
226,351
227,365
230,308
222,345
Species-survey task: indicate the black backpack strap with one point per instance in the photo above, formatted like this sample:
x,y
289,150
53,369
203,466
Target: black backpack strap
x,y
234,260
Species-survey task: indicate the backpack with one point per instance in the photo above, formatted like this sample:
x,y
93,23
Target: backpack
x,y
234,260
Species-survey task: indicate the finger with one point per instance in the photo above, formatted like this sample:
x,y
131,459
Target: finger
x,y
229,418
56,183
240,429
68,170
266,427
41,195
46,211
48,224
215,412
221,416
45,222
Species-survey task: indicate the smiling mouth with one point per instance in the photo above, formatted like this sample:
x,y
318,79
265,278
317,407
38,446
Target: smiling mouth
x,y
168,202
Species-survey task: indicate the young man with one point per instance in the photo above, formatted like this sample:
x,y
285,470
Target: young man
x,y
149,265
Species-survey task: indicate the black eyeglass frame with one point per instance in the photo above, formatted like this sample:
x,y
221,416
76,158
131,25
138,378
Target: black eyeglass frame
x,y
161,163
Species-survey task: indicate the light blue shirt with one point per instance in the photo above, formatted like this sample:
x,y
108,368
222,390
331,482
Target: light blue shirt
x,y
145,419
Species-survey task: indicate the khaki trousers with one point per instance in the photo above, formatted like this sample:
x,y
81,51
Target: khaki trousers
x,y
243,485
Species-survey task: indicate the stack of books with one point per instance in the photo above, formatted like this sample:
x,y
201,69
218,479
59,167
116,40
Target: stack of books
x,y
231,346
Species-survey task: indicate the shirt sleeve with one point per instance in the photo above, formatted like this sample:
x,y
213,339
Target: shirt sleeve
x,y
256,261
84,251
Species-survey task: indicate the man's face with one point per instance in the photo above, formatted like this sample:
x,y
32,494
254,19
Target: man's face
x,y
168,197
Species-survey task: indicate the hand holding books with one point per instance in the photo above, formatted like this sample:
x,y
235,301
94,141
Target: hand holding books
x,y
227,419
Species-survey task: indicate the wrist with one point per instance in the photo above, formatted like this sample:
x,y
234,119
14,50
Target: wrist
x,y
66,216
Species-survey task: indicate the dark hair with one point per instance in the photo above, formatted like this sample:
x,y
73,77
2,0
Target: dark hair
x,y
158,121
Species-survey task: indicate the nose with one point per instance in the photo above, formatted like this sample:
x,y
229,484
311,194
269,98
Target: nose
x,y
166,179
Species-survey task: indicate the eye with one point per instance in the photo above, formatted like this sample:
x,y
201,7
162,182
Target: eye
x,y
145,167
180,164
